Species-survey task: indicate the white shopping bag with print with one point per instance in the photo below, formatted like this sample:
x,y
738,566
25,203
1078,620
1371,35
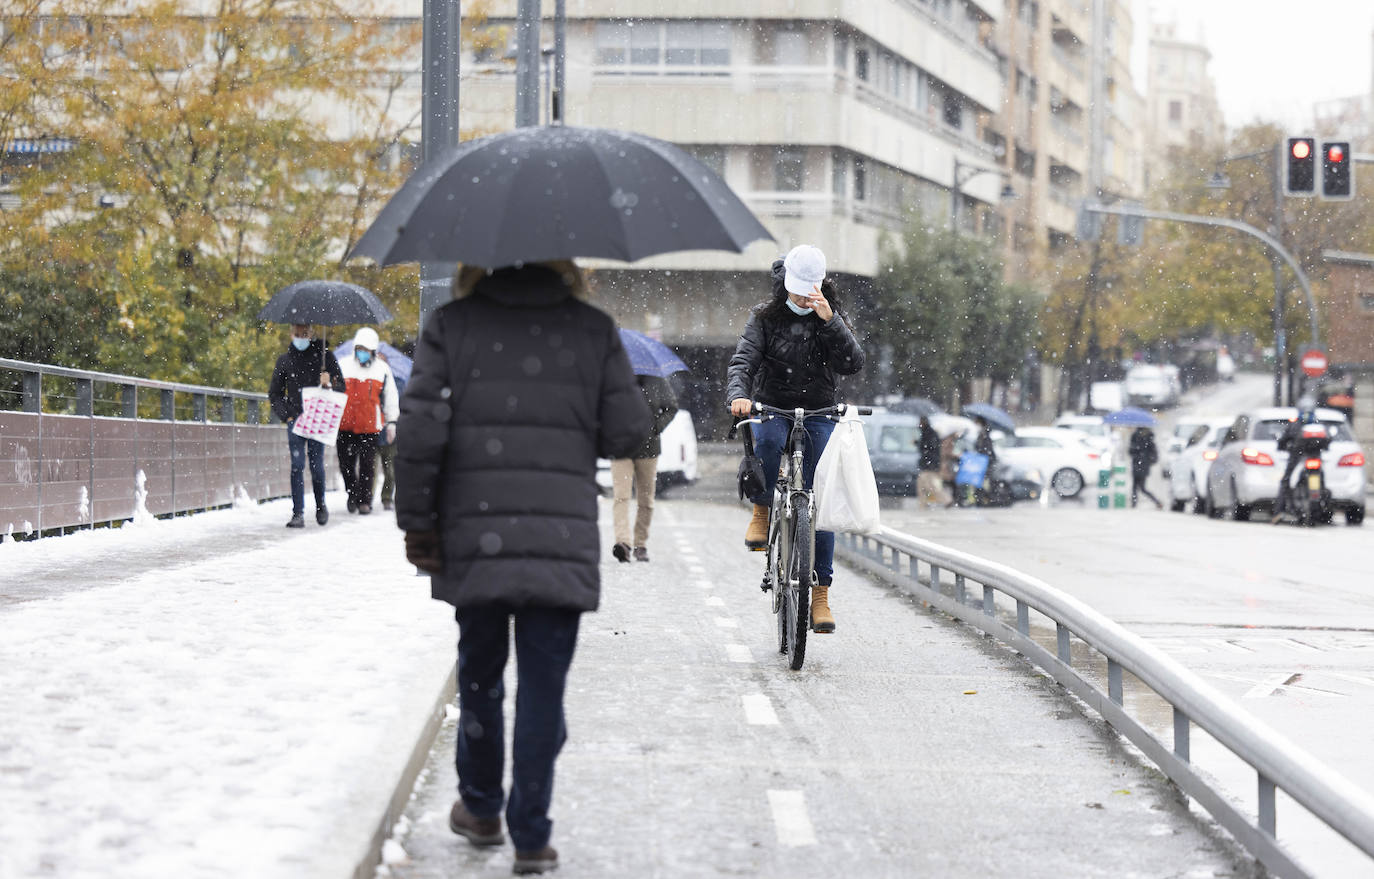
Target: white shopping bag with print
x,y
321,411
846,492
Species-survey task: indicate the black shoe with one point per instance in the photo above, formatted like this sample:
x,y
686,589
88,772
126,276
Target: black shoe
x,y
364,509
478,831
321,514
621,551
352,505
641,553
386,505
297,521
542,861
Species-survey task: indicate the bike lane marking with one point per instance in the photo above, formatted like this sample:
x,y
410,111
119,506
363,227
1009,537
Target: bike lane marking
x,y
790,819
758,710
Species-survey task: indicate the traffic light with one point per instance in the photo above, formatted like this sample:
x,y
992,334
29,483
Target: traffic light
x,y
1300,161
1338,181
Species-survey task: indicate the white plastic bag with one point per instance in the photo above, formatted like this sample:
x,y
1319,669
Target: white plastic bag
x,y
846,492
322,410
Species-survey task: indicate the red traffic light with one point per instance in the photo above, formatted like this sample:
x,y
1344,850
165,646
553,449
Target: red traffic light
x,y
1302,148
1335,153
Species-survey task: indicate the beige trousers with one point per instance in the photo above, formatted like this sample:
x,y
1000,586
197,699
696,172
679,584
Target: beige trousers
x,y
639,474
930,489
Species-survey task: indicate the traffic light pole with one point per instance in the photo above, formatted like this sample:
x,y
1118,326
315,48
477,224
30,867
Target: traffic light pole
x,y
1280,325
1276,247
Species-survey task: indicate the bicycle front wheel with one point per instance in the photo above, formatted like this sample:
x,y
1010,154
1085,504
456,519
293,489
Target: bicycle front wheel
x,y
797,606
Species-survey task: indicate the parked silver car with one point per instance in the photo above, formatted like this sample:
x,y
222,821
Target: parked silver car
x,y
1249,465
1188,473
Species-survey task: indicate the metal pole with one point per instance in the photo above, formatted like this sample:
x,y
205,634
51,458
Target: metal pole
x,y
1280,326
560,58
439,123
527,64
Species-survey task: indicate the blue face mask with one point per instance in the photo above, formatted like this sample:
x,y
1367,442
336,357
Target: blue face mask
x,y
301,344
364,357
797,309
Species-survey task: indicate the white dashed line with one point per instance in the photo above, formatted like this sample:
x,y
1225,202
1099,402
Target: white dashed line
x,y
790,818
1227,645
696,570
715,601
705,584
739,653
727,622
758,711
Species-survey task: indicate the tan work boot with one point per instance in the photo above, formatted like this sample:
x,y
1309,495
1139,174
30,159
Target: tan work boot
x,y
822,621
756,535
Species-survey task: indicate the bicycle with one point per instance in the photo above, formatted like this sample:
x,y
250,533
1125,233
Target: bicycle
x,y
788,573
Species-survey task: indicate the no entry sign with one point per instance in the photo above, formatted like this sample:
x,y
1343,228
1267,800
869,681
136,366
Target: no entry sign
x,y
1313,363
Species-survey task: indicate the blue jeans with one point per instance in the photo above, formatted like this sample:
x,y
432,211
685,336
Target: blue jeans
x,y
299,445
769,439
544,643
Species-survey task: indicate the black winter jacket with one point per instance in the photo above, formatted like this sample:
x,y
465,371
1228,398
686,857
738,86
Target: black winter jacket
x,y
516,390
789,360
300,369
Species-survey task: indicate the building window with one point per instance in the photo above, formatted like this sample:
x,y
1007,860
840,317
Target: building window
x,y
1175,113
1367,301
839,171
953,114
841,51
789,169
790,48
683,43
612,43
715,44
712,157
861,64
644,45
860,180
662,45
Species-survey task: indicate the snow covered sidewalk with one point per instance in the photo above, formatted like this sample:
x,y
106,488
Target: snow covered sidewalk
x,y
211,696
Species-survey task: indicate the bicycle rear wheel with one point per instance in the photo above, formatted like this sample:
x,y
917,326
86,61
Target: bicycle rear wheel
x,y
797,597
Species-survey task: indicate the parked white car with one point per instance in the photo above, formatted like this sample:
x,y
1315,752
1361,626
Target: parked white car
x,y
1152,386
1188,473
1249,465
1182,436
1067,459
677,461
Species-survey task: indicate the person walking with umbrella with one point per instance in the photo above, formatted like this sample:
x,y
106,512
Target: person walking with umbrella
x,y
305,363
638,474
1144,454
517,388
372,409
793,347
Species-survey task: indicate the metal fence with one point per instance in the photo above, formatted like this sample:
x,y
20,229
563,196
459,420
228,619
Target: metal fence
x,y
999,600
79,448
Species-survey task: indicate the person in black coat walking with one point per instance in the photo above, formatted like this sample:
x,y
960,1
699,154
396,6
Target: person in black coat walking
x,y
793,347
517,388
928,485
306,363
638,474
1144,454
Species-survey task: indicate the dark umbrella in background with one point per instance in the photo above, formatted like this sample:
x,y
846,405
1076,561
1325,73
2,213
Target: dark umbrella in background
x,y
558,192
650,356
328,303
992,415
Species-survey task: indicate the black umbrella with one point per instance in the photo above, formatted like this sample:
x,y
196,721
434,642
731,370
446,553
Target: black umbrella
x,y
558,192
330,303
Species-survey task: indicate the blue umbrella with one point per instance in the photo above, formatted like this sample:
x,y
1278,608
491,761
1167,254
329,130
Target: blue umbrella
x,y
650,356
1129,417
992,415
399,363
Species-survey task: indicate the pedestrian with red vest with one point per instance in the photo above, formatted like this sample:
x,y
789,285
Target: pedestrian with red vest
x,y
372,409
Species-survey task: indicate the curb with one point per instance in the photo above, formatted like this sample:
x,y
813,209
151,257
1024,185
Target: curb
x,y
400,796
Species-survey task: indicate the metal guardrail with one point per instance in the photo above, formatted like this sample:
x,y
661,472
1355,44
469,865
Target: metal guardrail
x,y
75,467
1278,763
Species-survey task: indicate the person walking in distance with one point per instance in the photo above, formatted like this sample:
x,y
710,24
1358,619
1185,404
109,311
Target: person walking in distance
x,y
928,485
1144,454
794,346
305,363
639,473
372,409
517,388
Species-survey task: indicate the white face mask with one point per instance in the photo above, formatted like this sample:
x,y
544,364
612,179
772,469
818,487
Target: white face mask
x,y
798,309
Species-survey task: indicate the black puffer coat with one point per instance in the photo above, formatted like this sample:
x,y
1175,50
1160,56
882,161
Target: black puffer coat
x,y
789,360
516,390
301,369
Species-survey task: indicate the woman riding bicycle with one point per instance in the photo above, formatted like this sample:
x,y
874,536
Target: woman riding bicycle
x,y
792,348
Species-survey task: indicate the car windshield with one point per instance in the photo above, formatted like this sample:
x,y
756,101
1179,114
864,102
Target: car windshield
x,y
899,438
1273,429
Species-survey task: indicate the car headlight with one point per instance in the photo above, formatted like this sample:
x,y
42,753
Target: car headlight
x,y
1034,476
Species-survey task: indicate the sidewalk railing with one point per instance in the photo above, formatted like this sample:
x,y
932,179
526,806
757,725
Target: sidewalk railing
x,y
950,581
79,448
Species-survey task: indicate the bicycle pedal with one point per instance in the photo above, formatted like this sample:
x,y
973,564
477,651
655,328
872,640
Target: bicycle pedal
x,y
765,585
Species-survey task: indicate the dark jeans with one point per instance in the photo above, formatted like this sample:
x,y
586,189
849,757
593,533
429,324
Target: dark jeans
x,y
769,438
1138,478
358,462
299,447
544,643
387,452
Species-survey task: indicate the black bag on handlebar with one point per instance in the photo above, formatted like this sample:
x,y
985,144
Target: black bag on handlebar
x,y
750,477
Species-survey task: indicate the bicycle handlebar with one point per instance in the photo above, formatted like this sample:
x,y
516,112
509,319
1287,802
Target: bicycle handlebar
x,y
774,411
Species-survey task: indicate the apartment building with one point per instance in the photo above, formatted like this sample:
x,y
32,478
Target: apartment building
x,y
1183,108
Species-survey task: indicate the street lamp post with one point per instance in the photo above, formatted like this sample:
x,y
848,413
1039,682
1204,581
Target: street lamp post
x,y
963,173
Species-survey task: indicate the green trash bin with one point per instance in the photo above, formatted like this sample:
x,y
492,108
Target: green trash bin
x,y
1104,489
1119,487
